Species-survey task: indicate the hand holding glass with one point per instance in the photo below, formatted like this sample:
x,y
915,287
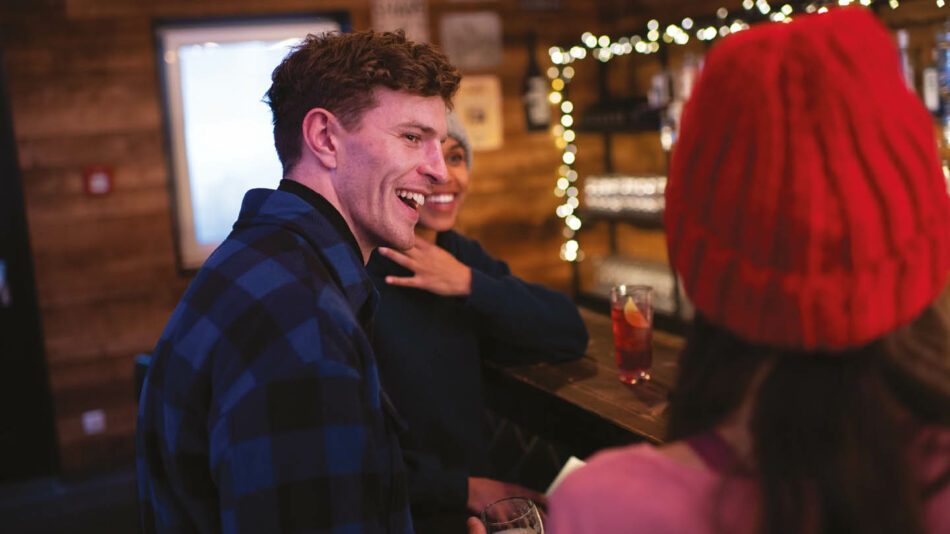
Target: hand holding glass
x,y
631,312
514,515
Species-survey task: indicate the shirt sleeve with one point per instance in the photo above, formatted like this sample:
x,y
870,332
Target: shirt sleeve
x,y
521,321
295,436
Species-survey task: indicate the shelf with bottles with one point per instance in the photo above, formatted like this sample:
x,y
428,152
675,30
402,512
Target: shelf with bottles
x,y
636,199
633,114
924,51
622,236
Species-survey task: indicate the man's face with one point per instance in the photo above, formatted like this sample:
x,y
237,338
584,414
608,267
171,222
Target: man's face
x,y
386,167
442,206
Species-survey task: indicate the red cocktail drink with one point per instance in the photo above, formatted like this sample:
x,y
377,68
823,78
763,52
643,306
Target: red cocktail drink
x,y
631,312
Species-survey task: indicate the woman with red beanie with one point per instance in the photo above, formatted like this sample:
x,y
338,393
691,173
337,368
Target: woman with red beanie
x,y
809,218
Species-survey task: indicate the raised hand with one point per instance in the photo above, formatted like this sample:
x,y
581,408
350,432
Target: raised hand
x,y
435,270
475,526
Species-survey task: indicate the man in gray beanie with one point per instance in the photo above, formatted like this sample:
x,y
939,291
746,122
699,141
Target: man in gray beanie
x,y
445,305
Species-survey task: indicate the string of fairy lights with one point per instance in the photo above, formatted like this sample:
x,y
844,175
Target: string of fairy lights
x,y
605,48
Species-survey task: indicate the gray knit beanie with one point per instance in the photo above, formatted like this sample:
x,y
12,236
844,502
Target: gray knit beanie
x,y
457,131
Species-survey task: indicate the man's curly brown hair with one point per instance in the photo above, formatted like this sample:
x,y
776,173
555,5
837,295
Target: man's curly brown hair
x,y
339,71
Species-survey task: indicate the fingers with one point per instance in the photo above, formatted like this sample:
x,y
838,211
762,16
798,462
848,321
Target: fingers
x,y
475,526
520,491
404,281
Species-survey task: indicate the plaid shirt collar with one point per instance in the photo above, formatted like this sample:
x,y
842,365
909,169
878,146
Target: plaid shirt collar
x,y
319,224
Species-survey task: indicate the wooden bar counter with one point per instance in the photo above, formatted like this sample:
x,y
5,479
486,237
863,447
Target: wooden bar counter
x,y
582,403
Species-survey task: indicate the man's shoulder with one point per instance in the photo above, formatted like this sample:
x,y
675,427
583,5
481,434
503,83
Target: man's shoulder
x,y
260,270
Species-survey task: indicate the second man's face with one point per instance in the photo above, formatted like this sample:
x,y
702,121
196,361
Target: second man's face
x,y
442,207
388,165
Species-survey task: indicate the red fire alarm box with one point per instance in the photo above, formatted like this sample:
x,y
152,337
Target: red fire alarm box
x,y
97,180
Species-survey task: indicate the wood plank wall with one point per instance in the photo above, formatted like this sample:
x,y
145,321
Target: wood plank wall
x,y
84,92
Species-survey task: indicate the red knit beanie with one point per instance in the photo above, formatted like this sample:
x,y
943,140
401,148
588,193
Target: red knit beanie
x,y
806,207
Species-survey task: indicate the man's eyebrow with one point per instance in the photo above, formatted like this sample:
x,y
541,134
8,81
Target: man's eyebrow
x,y
428,130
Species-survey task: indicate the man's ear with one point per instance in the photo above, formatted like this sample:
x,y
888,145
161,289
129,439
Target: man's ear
x,y
319,136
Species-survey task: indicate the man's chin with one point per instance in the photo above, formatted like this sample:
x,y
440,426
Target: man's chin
x,y
401,243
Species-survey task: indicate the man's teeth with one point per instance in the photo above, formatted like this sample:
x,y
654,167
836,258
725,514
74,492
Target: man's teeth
x,y
441,199
416,198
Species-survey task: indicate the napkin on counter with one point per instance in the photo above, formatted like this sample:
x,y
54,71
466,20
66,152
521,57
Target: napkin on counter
x,y
572,463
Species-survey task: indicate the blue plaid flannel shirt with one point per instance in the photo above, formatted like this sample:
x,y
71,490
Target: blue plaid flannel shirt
x,y
262,411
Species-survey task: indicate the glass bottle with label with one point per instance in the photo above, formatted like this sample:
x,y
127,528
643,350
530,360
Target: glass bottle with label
x,y
907,67
537,111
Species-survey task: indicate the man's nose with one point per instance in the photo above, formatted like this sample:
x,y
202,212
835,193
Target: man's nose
x,y
434,166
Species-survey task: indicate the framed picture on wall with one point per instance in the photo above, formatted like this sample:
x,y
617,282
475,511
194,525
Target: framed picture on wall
x,y
214,75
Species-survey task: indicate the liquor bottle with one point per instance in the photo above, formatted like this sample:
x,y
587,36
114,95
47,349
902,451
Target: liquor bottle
x,y
930,87
943,80
903,42
537,111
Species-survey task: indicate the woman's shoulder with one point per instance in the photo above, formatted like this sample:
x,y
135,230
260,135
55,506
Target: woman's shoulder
x,y
640,461
639,481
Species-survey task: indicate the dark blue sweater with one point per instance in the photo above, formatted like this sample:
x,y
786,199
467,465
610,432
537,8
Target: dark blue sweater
x,y
430,349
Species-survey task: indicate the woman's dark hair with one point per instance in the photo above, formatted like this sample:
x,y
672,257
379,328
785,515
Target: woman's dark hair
x,y
831,431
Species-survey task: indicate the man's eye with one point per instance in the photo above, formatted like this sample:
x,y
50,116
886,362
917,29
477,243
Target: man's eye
x,y
412,138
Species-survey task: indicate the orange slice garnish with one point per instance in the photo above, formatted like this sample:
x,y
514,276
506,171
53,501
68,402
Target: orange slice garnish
x,y
633,315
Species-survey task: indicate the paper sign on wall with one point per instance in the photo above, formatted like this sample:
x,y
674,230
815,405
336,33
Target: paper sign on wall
x,y
472,41
409,15
478,105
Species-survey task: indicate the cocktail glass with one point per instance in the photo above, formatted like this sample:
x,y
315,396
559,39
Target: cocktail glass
x,y
631,312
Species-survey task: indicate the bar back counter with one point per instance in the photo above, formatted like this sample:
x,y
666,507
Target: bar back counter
x,y
579,407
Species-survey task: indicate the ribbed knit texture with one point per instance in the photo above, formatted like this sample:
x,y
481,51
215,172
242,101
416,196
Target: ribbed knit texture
x,y
806,207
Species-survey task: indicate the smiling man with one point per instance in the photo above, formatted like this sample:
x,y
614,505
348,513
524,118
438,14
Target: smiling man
x,y
263,410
